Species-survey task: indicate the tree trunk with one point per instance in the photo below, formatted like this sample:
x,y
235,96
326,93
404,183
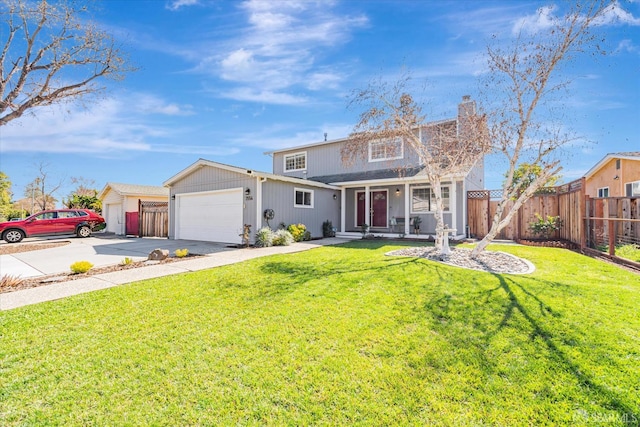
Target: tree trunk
x,y
436,187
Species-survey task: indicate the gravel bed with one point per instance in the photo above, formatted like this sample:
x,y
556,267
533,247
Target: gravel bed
x,y
489,261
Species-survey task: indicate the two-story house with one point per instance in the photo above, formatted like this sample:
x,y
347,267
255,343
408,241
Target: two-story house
x,y
310,184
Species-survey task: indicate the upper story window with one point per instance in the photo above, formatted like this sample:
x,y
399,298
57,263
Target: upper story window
x,y
603,192
423,200
295,162
303,198
633,189
386,150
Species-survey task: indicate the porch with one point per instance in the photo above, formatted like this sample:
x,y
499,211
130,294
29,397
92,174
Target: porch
x,y
399,209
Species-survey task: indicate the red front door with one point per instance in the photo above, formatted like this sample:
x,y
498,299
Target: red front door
x,y
378,208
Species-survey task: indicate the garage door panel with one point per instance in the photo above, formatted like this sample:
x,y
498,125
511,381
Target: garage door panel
x,y
213,216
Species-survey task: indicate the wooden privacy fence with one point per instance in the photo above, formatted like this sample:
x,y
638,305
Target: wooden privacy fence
x,y
566,201
612,221
153,219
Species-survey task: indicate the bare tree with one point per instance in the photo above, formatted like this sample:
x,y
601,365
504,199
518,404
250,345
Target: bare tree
x,y
524,75
51,55
447,149
41,190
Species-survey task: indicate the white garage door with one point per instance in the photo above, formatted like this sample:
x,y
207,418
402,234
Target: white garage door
x,y
214,216
112,217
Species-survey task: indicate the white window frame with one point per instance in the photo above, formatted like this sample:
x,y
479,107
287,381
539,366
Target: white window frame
x,y
303,190
430,211
601,191
294,155
632,183
386,143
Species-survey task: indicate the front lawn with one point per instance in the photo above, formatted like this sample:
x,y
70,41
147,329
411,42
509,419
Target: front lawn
x,y
334,336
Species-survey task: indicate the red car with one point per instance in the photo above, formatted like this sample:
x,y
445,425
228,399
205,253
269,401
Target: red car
x,y
81,222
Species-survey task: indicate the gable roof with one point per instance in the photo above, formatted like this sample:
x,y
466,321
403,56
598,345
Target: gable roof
x,y
250,172
626,155
134,190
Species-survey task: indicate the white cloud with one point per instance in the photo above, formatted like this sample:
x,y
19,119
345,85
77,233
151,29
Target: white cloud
x,y
177,4
150,104
115,125
627,46
545,18
615,14
537,22
279,50
266,96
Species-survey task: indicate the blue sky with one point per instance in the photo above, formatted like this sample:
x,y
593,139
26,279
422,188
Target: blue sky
x,y
229,80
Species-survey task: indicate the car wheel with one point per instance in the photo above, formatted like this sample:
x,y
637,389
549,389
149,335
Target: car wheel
x,y
13,236
84,231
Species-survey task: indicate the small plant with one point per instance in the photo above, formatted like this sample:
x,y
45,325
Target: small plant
x,y
264,237
297,231
282,238
364,229
127,261
181,253
8,281
307,236
545,226
80,267
327,229
416,224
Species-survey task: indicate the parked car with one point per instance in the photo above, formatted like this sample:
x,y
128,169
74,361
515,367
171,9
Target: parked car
x,y
81,222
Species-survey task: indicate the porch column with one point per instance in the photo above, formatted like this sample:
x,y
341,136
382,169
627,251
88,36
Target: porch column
x,y
367,206
407,209
453,205
343,209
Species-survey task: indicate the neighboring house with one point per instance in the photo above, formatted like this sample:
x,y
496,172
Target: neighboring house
x,y
310,185
616,175
118,200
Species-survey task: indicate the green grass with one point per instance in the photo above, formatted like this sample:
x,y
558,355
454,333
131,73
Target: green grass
x,y
631,252
334,336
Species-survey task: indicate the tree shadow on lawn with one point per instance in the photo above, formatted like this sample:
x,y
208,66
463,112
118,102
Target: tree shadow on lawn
x,y
291,275
472,312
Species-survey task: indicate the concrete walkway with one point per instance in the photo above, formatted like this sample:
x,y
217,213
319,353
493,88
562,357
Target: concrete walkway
x,y
65,289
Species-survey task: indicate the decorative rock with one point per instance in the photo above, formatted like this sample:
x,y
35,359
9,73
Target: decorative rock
x,y
489,261
158,255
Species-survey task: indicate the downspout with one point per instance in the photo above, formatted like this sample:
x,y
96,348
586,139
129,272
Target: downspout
x,y
259,181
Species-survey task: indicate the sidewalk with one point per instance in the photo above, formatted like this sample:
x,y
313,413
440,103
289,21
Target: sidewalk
x,y
60,290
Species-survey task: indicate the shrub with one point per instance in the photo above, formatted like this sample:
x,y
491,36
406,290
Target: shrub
x,y
307,236
181,253
282,238
545,226
264,237
79,267
8,281
297,231
327,229
127,261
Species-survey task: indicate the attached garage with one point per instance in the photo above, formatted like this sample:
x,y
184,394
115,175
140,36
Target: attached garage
x,y
214,216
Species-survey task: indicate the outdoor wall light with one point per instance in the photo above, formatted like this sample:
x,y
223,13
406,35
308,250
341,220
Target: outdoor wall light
x,y
397,191
616,177
335,197
247,192
173,197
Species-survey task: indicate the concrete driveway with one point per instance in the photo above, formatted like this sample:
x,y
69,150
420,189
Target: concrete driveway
x,y
100,250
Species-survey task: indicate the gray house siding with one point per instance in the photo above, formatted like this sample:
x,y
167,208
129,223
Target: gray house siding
x,y
210,178
325,159
279,196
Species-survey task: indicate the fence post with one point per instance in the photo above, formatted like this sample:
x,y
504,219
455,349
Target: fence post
x,y
612,237
584,226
